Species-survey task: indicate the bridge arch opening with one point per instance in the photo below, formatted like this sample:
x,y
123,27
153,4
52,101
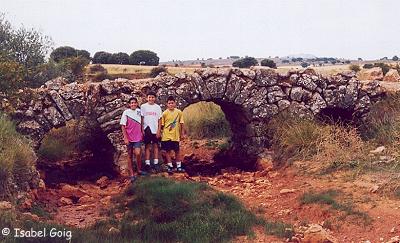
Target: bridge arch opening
x,y
78,151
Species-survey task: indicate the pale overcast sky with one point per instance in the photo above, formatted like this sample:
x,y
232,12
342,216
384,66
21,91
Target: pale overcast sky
x,y
188,29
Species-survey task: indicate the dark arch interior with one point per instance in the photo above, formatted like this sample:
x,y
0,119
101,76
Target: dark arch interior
x,y
336,115
80,151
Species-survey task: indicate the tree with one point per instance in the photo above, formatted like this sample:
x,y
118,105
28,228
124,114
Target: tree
x,y
155,71
63,52
144,57
395,58
120,58
268,63
245,62
26,47
304,64
102,57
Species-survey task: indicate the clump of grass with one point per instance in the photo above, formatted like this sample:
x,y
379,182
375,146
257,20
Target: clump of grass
x,y
329,198
16,157
170,211
295,138
206,120
382,124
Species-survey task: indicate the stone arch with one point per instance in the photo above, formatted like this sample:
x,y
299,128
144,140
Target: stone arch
x,y
248,97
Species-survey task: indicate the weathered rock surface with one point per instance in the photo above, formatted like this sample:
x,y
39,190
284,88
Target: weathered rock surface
x,y
392,76
249,99
375,73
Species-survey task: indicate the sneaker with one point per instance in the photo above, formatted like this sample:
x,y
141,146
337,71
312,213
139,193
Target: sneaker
x,y
143,173
147,168
133,179
180,170
156,168
170,170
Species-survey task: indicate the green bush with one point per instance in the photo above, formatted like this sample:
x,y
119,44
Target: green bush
x,y
245,62
11,76
385,67
268,63
16,157
206,120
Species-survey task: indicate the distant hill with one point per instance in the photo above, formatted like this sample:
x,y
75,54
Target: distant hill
x,y
304,56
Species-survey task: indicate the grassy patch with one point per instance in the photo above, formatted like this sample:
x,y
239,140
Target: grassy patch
x,y
16,157
329,198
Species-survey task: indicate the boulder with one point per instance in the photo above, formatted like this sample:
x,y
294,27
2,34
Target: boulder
x,y
4,205
316,234
375,73
103,182
392,76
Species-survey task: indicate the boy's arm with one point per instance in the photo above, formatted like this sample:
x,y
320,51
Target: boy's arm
x,y
182,131
159,128
142,124
123,128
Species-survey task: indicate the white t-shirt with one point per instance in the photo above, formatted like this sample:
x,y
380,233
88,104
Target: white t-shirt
x,y
151,115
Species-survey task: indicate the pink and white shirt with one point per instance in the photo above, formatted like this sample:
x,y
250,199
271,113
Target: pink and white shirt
x,y
131,119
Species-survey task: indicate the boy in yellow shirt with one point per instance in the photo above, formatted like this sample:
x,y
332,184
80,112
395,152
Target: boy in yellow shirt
x,y
173,132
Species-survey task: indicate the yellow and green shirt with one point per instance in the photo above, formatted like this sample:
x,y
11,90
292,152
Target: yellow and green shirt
x,y
171,121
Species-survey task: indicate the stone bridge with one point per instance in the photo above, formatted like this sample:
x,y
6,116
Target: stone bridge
x,y
248,97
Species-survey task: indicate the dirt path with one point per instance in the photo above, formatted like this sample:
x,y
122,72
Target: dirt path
x,y
271,194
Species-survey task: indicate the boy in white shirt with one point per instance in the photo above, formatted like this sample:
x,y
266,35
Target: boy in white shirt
x,y
151,125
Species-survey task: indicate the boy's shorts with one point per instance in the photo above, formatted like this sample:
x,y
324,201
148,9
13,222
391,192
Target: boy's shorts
x,y
170,145
132,145
149,137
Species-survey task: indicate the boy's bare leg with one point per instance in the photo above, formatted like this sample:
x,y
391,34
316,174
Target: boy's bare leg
x,y
130,160
147,151
155,150
138,159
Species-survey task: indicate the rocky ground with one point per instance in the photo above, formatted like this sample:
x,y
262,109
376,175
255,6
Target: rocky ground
x,y
273,194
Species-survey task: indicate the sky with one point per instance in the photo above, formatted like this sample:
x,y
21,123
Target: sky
x,y
186,29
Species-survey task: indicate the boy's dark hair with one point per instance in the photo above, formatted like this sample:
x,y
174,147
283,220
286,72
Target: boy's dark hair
x,y
133,98
152,93
171,98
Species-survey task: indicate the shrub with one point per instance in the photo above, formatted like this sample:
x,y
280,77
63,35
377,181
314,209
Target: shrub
x,y
157,70
11,76
395,58
368,65
63,52
354,67
73,68
245,62
206,120
147,57
268,63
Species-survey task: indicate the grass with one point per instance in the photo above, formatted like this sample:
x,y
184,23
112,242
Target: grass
x,y
329,198
296,138
16,158
206,120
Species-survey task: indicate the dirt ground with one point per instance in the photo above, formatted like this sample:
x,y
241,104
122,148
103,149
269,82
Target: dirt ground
x,y
273,194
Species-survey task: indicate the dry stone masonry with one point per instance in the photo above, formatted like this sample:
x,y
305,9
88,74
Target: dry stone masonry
x,y
248,97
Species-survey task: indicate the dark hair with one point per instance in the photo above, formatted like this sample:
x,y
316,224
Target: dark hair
x,y
151,93
171,98
133,98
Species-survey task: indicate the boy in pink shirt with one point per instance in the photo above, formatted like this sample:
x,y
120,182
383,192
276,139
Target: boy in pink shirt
x,y
131,126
